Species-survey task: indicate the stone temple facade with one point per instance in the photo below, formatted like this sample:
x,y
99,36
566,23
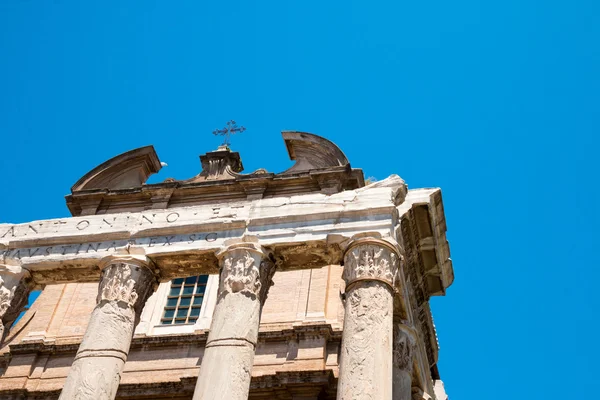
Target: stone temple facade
x,y
305,284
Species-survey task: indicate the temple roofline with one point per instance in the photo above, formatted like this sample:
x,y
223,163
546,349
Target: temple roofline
x,y
118,185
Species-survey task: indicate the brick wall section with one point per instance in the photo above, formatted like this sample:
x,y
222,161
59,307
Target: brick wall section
x,y
56,322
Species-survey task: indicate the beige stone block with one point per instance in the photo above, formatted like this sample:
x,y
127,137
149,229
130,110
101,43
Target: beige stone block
x,y
284,297
164,358
272,353
58,366
317,295
21,365
79,310
311,349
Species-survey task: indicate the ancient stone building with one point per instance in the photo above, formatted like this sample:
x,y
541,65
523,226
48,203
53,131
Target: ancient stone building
x,y
303,284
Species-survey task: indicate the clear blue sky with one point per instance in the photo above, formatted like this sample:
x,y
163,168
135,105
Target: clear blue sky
x,y
497,103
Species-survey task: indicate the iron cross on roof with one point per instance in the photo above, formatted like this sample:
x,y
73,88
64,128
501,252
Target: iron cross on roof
x,y
228,130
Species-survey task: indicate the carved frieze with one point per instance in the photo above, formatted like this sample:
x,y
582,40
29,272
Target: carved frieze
x,y
371,261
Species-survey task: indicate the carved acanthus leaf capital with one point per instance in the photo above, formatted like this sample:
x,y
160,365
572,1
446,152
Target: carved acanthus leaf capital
x,y
126,280
372,259
15,286
247,269
403,348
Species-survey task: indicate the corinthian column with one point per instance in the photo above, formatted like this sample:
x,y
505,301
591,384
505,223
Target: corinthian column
x,y
15,285
126,284
245,278
403,351
370,271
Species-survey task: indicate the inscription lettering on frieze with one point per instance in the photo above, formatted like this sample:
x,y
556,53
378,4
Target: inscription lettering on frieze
x,y
99,224
108,246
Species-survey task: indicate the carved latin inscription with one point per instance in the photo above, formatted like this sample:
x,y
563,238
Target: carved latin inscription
x,y
370,261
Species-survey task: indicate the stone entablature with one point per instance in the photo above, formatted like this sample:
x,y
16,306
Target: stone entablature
x,y
302,232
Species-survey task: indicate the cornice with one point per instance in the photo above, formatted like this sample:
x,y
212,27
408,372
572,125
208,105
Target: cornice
x,y
198,338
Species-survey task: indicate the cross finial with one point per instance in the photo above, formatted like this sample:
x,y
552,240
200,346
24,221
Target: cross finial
x,y
228,130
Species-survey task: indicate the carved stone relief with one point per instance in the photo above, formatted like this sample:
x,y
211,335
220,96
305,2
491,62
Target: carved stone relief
x,y
15,285
371,261
403,349
6,296
247,272
117,284
365,365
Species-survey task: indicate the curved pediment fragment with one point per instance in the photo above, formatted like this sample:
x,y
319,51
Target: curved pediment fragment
x,y
127,170
312,152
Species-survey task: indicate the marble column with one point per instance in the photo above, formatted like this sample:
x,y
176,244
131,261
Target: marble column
x,y
370,272
125,285
403,352
245,278
15,286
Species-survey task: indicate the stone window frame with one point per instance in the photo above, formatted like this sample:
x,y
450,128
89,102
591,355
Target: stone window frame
x,y
150,319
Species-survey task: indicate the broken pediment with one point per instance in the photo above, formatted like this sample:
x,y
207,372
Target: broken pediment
x,y
312,152
127,170
119,184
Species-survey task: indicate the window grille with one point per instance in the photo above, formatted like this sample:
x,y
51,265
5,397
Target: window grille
x,y
184,301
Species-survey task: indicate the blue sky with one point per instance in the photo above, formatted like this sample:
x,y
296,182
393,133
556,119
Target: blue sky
x,y
497,103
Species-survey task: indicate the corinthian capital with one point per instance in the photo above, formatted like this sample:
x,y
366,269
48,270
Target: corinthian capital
x,y
371,259
247,269
403,347
15,285
128,280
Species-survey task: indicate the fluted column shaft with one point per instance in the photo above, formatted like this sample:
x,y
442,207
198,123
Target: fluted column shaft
x,y
15,286
370,272
126,284
403,352
245,278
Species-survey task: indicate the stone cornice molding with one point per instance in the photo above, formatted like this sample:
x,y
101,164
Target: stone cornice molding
x,y
198,338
